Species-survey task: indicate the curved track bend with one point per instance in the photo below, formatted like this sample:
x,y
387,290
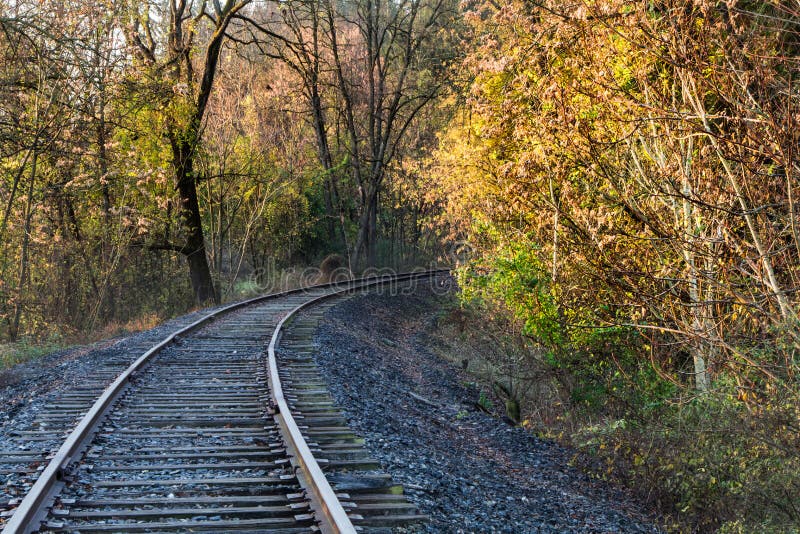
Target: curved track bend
x,y
200,434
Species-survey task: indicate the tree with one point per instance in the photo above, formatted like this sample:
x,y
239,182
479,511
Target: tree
x,y
191,93
35,113
400,72
664,173
385,61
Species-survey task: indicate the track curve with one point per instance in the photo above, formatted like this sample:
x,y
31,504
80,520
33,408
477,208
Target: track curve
x,y
186,439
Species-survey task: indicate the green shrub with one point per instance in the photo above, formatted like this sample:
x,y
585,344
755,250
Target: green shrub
x,y
726,461
713,461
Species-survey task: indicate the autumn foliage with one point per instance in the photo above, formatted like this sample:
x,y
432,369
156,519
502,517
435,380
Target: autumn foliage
x,y
616,181
627,173
232,140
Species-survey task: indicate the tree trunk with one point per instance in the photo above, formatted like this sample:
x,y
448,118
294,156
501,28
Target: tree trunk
x,y
184,144
195,247
372,229
13,331
366,247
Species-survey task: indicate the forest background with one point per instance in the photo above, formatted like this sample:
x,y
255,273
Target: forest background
x,y
618,180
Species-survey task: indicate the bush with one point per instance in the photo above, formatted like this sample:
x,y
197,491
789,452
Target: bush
x,y
712,462
724,461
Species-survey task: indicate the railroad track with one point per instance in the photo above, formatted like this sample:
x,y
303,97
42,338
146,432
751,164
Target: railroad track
x,y
224,426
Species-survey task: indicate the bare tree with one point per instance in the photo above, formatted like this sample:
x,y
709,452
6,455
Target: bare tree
x,y
368,68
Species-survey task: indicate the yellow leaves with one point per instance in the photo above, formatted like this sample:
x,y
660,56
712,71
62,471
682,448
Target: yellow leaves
x,y
494,65
181,89
249,192
699,23
143,226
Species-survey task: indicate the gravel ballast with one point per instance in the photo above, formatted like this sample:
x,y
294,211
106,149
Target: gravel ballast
x,y
27,387
468,470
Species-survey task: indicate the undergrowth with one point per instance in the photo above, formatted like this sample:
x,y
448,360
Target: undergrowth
x,y
30,347
27,349
725,461
54,337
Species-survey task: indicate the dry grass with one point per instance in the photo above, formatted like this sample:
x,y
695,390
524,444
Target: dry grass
x,y
24,350
115,329
29,348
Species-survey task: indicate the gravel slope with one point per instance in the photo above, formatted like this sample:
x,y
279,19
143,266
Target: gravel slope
x,y
468,470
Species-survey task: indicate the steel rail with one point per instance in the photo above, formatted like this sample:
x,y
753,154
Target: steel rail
x,y
33,509
324,499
